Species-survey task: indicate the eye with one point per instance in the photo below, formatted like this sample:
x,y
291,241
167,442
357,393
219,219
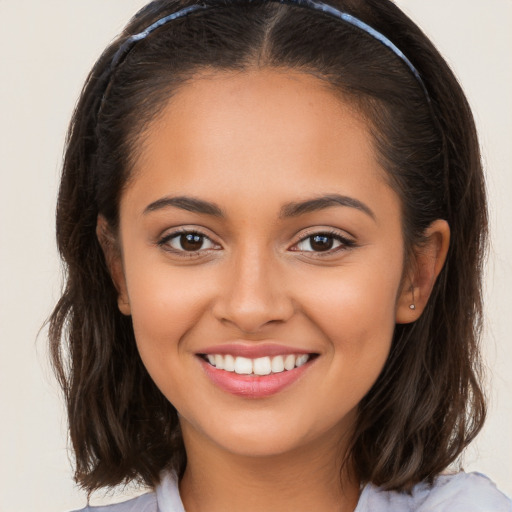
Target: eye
x,y
323,242
187,241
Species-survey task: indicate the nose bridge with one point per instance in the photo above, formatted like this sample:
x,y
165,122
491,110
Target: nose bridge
x,y
255,293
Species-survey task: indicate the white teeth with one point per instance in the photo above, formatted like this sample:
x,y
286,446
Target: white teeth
x,y
289,362
219,362
229,363
301,360
259,366
243,365
277,364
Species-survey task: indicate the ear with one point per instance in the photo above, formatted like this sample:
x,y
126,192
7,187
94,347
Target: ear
x,y
114,260
427,261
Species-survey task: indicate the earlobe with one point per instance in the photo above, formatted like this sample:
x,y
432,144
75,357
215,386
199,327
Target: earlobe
x,y
113,259
428,260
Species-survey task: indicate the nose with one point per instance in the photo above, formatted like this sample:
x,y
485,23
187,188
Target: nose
x,y
253,294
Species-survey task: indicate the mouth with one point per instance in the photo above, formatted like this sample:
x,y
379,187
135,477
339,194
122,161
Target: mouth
x,y
257,377
260,366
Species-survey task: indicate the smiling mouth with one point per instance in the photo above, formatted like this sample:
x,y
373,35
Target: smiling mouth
x,y
257,367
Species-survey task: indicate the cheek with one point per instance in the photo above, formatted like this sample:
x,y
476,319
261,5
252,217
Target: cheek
x,y
355,300
166,302
165,308
354,308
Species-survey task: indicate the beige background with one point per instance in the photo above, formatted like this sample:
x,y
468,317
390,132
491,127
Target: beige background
x,y
47,48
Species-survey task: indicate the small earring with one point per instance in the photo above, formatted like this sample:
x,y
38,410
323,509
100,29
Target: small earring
x,y
412,306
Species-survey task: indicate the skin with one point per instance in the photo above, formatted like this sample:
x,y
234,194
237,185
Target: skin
x,y
252,143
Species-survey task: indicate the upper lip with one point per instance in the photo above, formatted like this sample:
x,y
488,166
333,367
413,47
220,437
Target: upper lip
x,y
253,350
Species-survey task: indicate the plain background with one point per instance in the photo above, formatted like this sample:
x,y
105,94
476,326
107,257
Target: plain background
x,y
47,48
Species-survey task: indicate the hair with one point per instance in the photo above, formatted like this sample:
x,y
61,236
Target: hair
x,y
427,404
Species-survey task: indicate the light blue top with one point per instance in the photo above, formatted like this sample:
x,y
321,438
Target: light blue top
x,y
461,492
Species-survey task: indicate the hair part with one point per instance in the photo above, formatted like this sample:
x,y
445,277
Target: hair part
x,y
427,404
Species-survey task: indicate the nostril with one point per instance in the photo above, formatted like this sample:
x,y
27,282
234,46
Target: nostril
x,y
253,293
250,317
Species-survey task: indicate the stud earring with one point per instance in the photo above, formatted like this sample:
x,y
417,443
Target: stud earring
x,y
412,306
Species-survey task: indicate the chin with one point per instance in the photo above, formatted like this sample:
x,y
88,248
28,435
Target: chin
x,y
265,435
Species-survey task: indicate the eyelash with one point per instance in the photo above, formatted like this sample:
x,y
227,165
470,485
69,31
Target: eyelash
x,y
346,243
164,241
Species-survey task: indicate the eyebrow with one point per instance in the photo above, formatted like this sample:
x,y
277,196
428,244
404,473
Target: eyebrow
x,y
322,202
190,204
293,209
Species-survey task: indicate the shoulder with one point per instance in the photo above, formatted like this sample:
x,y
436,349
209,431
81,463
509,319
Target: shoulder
x,y
461,492
145,503
165,497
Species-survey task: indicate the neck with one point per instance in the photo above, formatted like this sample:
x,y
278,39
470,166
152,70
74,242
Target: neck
x,y
310,478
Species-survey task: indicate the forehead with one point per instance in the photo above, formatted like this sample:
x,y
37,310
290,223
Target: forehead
x,y
267,132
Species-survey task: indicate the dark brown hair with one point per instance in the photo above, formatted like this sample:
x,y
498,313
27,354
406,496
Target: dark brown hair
x,y
427,404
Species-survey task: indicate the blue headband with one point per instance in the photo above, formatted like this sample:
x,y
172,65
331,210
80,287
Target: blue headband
x,y
125,48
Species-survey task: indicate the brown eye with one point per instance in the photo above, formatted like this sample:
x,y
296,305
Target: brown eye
x,y
187,242
191,242
323,242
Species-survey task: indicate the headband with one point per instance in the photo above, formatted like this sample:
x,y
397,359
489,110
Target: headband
x,y
126,47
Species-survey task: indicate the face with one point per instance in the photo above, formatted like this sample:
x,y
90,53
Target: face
x,y
262,260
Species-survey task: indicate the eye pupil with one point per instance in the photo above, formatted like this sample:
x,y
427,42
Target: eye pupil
x,y
321,242
191,241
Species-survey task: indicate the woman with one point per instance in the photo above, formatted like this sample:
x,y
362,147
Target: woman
x,y
273,245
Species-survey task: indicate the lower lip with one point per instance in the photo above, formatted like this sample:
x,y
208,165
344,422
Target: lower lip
x,y
249,386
